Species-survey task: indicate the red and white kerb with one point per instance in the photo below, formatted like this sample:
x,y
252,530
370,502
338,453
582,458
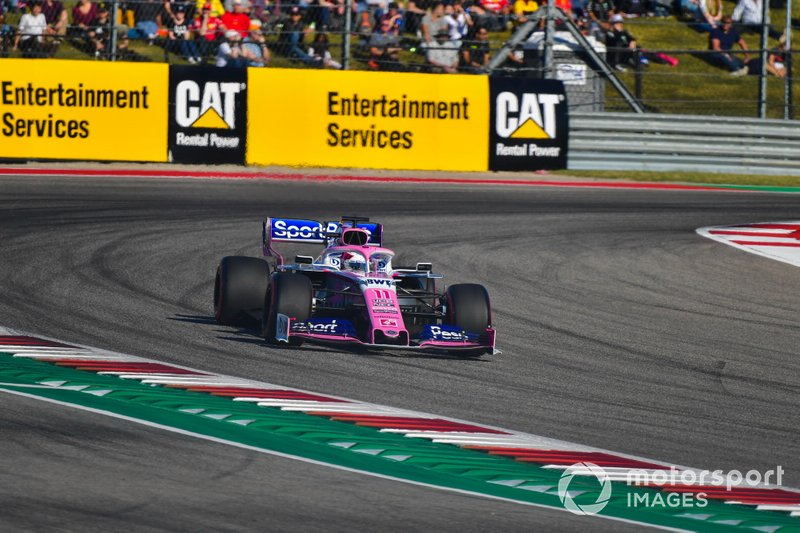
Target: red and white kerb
x,y
775,240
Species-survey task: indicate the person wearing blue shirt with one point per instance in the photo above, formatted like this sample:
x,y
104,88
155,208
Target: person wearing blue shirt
x,y
721,41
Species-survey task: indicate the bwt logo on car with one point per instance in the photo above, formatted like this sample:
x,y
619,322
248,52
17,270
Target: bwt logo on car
x,y
531,116
296,229
372,282
212,106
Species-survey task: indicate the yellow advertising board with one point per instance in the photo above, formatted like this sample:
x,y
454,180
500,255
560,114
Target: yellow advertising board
x,y
362,119
87,110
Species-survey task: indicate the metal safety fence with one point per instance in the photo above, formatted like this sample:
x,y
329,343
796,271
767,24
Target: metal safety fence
x,y
626,141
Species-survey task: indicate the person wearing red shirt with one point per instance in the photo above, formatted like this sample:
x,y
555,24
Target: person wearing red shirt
x,y
208,25
496,14
497,7
237,19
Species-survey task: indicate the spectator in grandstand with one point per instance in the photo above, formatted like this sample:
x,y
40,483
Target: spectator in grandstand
x,y
632,8
721,42
748,14
215,6
364,23
319,52
565,6
776,63
514,62
123,52
209,28
384,47
237,19
579,9
145,15
230,52
336,19
31,31
83,15
524,9
600,12
412,17
318,14
432,24
294,31
56,17
180,33
255,48
261,10
393,14
661,8
458,22
475,54
6,34
621,45
497,14
166,14
444,56
97,36
697,10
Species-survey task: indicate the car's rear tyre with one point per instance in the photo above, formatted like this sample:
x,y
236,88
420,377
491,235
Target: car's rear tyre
x,y
468,307
239,288
290,295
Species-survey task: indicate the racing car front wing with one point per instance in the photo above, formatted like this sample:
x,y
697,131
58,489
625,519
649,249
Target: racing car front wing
x,y
484,343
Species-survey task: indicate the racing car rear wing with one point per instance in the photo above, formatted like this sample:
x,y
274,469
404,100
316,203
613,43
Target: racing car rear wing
x,y
303,231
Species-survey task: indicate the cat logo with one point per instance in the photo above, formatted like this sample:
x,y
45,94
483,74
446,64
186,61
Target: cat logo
x,y
531,116
212,106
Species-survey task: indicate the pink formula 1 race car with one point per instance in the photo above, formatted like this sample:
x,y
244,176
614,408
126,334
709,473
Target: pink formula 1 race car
x,y
351,294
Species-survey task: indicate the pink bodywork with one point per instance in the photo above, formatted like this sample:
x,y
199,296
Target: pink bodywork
x,y
380,295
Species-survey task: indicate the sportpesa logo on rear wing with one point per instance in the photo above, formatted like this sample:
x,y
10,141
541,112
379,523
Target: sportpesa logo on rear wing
x,y
313,232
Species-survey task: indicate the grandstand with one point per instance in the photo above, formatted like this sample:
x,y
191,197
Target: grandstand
x,y
692,86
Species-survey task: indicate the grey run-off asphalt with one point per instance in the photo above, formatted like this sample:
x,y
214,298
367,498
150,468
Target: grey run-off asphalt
x,y
621,328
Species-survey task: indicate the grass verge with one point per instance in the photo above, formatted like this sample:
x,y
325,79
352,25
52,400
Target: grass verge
x,y
686,177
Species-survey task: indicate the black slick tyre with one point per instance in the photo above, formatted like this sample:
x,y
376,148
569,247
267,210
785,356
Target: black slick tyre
x,y
468,307
290,295
239,289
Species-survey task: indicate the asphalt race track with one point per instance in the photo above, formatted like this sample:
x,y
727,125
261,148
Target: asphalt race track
x,y
621,329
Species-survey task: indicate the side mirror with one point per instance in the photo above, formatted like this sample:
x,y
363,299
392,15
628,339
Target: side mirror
x,y
304,260
424,267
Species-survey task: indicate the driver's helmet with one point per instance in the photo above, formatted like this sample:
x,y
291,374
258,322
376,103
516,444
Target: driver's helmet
x,y
354,261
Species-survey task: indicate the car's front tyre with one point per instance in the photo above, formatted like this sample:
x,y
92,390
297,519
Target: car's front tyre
x,y
290,295
239,287
468,307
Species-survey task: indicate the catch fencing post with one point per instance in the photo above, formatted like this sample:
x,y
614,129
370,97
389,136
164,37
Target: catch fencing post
x,y
348,20
762,82
788,107
550,28
113,21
